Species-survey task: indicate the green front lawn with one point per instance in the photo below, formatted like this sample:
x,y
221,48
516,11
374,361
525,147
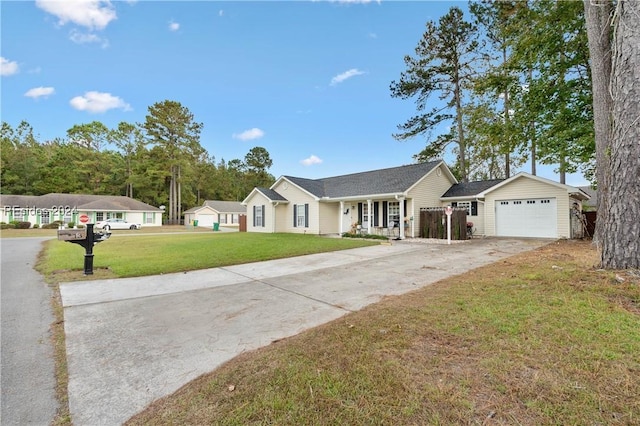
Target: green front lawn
x,y
128,256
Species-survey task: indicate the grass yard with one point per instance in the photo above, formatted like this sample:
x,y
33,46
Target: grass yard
x,y
541,338
128,256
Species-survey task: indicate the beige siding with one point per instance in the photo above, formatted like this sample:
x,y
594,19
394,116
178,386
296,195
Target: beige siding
x,y
427,193
296,196
329,218
269,219
526,188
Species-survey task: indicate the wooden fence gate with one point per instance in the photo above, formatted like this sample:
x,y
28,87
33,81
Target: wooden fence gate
x,y
433,223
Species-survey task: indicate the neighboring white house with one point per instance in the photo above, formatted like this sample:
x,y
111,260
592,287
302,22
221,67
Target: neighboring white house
x,y
225,213
389,201
44,209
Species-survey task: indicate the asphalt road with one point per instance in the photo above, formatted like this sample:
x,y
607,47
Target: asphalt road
x,y
27,365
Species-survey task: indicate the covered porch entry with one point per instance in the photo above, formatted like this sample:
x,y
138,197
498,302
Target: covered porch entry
x,y
376,216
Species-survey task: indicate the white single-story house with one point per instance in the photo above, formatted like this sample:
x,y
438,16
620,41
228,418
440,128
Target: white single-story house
x,y
225,213
44,209
388,201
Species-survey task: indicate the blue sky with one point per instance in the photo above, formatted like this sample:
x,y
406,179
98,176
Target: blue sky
x,y
308,81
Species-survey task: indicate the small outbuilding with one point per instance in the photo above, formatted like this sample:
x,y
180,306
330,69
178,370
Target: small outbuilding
x,y
224,213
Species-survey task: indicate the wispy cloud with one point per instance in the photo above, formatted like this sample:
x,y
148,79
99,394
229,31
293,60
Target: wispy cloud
x,y
221,12
311,161
39,92
8,67
174,26
80,37
346,75
250,134
98,102
92,14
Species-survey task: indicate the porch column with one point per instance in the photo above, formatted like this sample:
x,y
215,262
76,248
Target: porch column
x,y
369,218
340,218
402,215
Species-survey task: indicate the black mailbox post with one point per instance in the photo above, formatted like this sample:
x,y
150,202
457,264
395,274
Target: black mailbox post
x,y
85,238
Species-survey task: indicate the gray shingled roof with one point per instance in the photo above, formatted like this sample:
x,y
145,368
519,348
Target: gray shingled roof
x,y
79,201
271,194
226,206
469,189
383,181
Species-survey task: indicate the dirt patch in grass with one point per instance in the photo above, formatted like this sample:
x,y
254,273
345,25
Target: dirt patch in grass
x,y
540,338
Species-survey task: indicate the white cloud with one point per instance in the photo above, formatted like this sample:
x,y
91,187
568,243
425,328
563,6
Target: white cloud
x,y
82,38
345,75
250,134
8,67
39,92
220,12
92,14
98,102
311,161
174,26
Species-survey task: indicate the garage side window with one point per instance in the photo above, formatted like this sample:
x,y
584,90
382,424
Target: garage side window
x,y
471,206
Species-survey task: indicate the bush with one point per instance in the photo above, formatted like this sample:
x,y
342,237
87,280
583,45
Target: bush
x,y
23,225
70,225
52,225
36,226
4,225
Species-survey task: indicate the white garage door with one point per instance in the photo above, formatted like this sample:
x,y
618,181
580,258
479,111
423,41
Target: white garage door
x,y
533,217
205,220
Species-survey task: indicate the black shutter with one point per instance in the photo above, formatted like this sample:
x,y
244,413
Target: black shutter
x,y
264,210
306,215
474,208
405,210
295,214
376,213
360,212
384,214
454,204
254,215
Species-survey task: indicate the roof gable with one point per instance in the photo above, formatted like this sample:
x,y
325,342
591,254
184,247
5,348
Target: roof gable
x,y
268,193
376,182
524,175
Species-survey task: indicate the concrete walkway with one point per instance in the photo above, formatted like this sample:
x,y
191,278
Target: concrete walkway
x,y
131,341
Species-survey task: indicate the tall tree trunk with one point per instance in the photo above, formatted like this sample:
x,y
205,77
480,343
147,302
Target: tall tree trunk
x,y
597,16
621,240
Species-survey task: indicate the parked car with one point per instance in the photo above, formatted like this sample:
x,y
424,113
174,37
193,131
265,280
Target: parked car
x,y
117,224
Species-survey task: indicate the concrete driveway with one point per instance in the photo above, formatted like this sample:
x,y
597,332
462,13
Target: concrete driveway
x,y
131,341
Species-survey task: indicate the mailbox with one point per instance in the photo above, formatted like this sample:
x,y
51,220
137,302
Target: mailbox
x,y
85,238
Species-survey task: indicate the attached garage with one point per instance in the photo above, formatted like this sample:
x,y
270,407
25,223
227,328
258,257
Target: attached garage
x,y
529,206
528,217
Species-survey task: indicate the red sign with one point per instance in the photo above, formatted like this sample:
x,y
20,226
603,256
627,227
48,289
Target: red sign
x,y
84,218
448,210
